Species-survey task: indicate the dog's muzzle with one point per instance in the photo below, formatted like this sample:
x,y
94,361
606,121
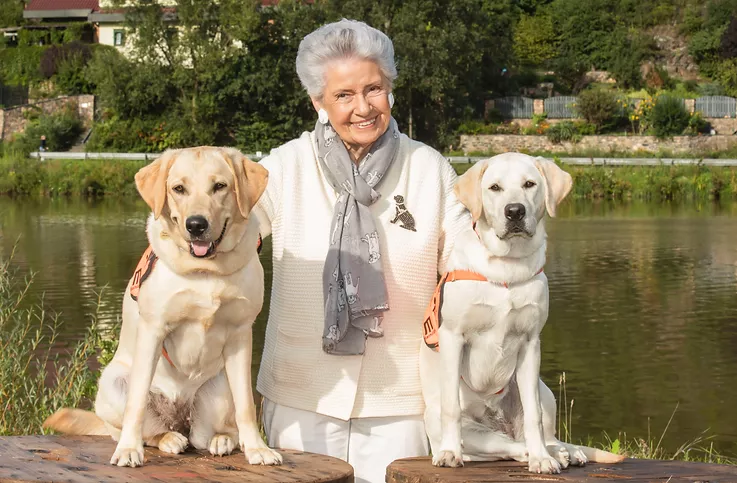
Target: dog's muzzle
x,y
202,248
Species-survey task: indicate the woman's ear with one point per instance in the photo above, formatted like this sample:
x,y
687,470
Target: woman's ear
x,y
316,104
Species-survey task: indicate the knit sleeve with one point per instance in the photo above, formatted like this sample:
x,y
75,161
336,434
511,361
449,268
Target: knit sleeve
x,y
267,207
455,216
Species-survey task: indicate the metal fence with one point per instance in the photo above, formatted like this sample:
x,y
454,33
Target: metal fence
x,y
716,106
514,107
560,107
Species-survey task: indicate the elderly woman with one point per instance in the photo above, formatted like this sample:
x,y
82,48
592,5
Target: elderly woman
x,y
362,220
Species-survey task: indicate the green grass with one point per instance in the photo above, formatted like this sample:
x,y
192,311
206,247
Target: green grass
x,y
649,183
699,449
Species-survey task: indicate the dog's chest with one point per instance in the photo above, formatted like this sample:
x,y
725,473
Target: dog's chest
x,y
486,307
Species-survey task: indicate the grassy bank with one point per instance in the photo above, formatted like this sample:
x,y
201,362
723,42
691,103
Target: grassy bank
x,y
19,177
650,183
26,176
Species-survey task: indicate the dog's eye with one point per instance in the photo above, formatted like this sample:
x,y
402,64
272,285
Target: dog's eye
x,y
178,189
495,187
218,186
529,184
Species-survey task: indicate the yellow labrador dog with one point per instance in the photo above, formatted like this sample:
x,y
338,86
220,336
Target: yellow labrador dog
x,y
484,397
182,371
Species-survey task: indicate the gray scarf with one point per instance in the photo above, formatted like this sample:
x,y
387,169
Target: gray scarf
x,y
354,289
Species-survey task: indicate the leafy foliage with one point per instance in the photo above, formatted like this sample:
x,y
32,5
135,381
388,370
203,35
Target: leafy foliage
x,y
669,116
61,131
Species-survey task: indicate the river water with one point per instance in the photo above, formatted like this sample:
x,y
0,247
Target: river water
x,y
643,315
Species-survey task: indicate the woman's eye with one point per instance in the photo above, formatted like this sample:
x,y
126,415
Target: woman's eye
x,y
529,184
495,187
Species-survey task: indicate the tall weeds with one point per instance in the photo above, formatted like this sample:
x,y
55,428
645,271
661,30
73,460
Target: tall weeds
x,y
37,376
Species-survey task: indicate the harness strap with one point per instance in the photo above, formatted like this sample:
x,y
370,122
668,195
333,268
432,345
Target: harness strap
x,y
432,320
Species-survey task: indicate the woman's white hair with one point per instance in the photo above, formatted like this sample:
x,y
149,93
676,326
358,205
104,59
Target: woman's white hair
x,y
345,39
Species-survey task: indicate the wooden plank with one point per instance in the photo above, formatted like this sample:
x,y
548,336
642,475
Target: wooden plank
x,y
420,470
77,459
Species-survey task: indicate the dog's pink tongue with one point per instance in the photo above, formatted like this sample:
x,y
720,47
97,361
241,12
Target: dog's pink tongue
x,y
200,248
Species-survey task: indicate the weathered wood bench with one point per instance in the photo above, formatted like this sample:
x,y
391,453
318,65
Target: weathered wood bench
x,y
87,459
420,470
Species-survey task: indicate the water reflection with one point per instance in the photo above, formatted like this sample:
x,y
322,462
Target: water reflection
x,y
643,302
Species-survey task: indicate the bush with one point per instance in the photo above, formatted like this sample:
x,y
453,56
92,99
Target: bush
x,y
62,130
697,124
669,116
478,127
563,131
134,135
600,108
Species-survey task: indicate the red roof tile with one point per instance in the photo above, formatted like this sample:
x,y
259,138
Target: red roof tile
x,y
62,4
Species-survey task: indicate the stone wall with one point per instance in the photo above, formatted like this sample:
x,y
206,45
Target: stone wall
x,y
501,143
13,120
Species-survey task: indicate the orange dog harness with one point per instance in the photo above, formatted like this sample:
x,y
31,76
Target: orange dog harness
x,y
143,270
432,321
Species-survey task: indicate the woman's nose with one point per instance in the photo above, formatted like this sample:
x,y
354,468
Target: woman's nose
x,y
363,105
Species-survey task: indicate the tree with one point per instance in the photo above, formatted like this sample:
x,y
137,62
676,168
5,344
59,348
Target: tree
x,y
728,47
535,41
11,13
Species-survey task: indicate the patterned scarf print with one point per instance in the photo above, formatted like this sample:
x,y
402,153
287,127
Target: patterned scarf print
x,y
354,288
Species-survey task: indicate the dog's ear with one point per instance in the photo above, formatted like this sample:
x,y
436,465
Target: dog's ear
x,y
250,179
151,181
557,183
468,189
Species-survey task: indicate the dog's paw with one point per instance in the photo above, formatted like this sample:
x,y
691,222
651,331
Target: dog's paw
x,y
560,453
128,456
173,443
221,445
262,456
578,457
448,459
543,465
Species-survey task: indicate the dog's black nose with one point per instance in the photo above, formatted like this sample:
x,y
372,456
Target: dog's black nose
x,y
196,225
514,211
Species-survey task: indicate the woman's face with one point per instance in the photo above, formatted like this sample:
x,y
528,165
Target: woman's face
x,y
355,98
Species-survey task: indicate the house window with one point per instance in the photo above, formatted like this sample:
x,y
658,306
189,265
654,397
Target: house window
x,y
118,38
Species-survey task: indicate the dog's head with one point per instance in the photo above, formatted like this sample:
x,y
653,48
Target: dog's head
x,y
204,196
509,193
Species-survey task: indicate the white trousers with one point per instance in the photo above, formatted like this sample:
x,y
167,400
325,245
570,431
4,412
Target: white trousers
x,y
368,444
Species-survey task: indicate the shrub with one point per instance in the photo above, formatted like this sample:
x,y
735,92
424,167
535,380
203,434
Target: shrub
x,y
478,127
669,116
600,108
563,131
697,124
134,135
62,130
55,55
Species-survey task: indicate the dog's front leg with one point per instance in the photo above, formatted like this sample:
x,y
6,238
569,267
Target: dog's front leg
x,y
451,351
129,451
528,376
237,355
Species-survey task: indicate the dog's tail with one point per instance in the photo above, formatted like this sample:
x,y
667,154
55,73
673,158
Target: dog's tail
x,y
600,456
76,422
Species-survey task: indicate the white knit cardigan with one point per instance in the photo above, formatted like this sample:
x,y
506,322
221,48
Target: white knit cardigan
x,y
297,210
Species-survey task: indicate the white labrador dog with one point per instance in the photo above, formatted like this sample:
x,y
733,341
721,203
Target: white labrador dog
x,y
484,397
183,364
